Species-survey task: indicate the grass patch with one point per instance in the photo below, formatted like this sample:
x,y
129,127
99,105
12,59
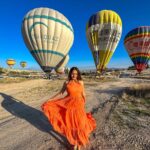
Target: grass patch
x,y
101,79
139,90
132,112
140,112
13,80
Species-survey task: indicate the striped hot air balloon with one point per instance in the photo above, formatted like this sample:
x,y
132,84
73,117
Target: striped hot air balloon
x,y
48,35
61,66
10,62
137,44
103,32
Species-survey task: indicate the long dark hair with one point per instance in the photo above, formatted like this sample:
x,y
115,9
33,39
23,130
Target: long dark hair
x,y
78,71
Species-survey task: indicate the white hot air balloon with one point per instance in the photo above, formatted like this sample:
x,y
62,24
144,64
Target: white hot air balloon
x,y
48,35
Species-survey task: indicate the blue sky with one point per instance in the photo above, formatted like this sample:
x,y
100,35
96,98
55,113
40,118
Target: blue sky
x,y
133,13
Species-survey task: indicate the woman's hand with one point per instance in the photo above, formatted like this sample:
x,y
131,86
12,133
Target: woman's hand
x,y
60,93
49,100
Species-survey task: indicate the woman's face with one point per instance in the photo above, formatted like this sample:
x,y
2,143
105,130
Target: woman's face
x,y
74,75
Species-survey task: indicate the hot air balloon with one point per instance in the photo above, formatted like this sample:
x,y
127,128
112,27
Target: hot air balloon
x,y
137,43
23,64
61,66
103,32
11,62
48,35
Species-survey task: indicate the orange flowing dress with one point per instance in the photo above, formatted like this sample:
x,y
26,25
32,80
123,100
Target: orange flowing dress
x,y
68,117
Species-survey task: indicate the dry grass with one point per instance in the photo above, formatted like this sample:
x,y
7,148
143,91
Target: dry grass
x,y
133,110
139,90
13,80
99,79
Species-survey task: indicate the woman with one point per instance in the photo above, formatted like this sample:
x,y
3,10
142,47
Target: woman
x,y
67,115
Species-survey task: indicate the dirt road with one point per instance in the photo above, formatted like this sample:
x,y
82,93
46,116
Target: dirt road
x,y
24,127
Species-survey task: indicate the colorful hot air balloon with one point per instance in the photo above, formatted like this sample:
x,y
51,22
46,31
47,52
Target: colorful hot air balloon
x,y
23,64
48,35
137,43
11,62
103,33
61,66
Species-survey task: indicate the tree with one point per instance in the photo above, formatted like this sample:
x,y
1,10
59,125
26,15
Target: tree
x,y
131,68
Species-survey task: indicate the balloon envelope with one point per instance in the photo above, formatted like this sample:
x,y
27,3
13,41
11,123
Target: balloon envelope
x,y
48,35
103,33
23,64
11,62
137,43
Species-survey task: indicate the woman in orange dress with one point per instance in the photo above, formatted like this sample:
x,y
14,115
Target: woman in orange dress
x,y
67,115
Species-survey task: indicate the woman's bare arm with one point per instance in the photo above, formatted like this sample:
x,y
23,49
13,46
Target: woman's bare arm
x,y
60,93
83,93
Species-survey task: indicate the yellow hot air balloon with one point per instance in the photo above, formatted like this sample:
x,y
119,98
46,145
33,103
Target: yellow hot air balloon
x,y
61,66
48,35
23,64
11,62
103,32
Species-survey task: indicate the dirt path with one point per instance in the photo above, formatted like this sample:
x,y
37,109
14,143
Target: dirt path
x,y
24,127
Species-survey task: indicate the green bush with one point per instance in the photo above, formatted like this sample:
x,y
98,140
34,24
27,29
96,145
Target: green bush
x,y
1,70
